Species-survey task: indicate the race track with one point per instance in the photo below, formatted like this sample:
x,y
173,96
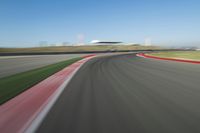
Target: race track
x,y
128,94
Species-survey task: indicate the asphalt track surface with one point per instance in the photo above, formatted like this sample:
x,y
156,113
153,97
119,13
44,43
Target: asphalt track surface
x,y
10,65
128,94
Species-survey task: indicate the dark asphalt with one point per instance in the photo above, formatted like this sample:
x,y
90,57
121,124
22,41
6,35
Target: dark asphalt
x,y
128,94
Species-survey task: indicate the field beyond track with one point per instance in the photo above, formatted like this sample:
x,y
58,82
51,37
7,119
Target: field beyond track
x,y
191,55
85,48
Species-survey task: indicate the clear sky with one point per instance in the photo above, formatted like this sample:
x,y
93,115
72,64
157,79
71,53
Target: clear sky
x,y
25,23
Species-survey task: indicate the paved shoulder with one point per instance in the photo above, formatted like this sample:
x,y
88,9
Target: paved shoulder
x,y
15,64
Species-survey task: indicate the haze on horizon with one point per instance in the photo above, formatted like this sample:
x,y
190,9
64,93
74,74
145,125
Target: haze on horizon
x,y
170,23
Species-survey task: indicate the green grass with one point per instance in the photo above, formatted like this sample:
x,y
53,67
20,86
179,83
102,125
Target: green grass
x,y
13,85
193,55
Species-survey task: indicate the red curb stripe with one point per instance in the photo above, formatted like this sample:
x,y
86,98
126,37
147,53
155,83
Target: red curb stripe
x,y
18,113
88,55
169,59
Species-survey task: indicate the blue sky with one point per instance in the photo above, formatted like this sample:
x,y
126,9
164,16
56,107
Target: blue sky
x,y
25,23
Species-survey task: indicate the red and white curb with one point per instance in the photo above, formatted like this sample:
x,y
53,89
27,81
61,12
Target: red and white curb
x,y
168,59
26,111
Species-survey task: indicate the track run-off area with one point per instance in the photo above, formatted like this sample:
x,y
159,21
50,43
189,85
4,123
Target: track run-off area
x,y
128,94
10,65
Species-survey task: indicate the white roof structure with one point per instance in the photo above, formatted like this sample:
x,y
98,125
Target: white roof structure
x,y
95,41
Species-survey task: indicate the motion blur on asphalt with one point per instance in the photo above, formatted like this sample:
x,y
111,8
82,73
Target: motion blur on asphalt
x,y
84,66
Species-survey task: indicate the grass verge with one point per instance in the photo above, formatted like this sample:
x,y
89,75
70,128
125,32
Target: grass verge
x,y
13,85
191,55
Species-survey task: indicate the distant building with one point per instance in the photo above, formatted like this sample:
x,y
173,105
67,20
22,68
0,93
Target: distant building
x,y
65,43
43,43
98,42
94,41
147,41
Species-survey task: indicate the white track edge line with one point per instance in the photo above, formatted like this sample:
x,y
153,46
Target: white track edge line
x,y
40,117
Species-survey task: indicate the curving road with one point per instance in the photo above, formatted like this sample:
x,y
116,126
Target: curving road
x,y
128,94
